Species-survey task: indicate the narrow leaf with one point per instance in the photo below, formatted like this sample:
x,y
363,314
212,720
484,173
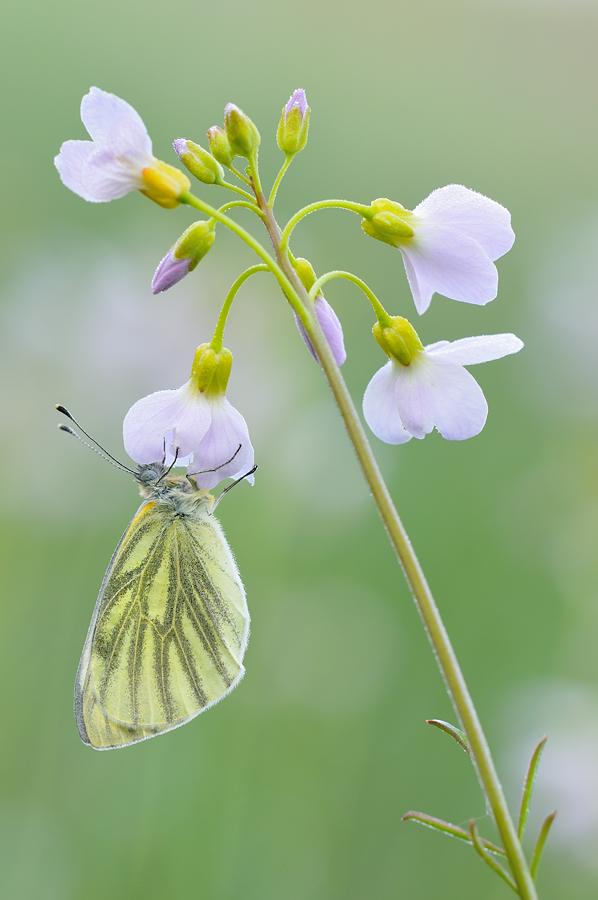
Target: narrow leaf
x,y
450,829
540,844
528,786
490,859
454,732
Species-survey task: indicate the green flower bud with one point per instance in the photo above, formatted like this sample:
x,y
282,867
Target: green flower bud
x,y
219,146
293,127
390,222
199,162
243,136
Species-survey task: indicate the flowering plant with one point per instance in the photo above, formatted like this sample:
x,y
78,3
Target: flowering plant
x,y
449,244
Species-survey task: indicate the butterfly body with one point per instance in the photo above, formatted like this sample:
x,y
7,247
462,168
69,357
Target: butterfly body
x,y
170,626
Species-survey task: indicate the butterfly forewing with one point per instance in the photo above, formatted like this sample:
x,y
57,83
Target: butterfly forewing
x,y
170,626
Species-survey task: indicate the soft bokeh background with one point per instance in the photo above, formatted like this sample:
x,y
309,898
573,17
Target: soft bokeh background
x,y
294,787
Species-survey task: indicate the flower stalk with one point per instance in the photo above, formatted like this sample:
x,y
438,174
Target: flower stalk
x,y
422,595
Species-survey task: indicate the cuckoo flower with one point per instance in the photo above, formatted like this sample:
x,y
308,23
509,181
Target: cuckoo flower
x,y
420,388
119,157
448,243
196,422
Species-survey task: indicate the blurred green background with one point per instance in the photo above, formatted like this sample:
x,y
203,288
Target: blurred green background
x,y
294,787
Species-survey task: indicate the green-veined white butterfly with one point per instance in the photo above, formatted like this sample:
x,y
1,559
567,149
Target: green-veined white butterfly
x,y
170,625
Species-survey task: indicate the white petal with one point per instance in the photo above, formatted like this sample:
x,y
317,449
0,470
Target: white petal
x,y
434,393
107,178
380,405
70,162
184,411
450,263
113,123
471,213
219,448
471,350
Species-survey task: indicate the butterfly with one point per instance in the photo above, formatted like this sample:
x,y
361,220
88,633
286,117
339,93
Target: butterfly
x,y
170,625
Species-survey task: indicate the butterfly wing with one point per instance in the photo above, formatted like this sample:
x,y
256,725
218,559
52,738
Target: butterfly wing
x,y
168,633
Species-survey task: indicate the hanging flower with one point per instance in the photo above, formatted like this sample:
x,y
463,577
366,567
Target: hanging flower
x,y
119,157
448,243
195,422
429,387
330,325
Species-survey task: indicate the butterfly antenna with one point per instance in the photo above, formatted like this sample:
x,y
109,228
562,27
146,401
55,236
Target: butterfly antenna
x,y
227,489
101,451
170,467
215,469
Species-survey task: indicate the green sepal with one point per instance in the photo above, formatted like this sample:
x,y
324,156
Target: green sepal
x,y
389,223
398,338
305,272
211,369
195,242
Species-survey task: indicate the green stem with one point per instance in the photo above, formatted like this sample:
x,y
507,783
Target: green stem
x,y
233,187
361,210
288,285
239,175
216,342
255,179
381,313
422,595
279,178
247,204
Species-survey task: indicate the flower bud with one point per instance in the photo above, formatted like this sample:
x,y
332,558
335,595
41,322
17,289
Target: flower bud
x,y
181,259
293,127
219,146
305,272
211,370
243,136
398,339
199,162
165,184
390,222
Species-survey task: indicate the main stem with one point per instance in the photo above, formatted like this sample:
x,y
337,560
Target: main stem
x,y
422,595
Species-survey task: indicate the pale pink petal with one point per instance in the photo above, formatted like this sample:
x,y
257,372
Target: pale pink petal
x,y
183,411
107,178
219,448
170,271
70,162
431,393
332,328
380,408
450,263
112,122
471,213
471,350
330,325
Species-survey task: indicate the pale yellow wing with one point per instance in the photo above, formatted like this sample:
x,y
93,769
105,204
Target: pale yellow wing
x,y
168,633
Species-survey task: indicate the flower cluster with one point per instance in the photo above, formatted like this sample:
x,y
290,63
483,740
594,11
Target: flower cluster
x,y
449,244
